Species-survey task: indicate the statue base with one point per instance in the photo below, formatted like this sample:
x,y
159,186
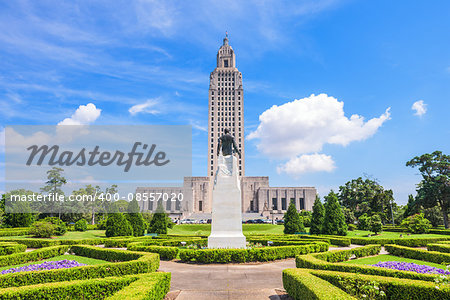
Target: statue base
x,y
226,225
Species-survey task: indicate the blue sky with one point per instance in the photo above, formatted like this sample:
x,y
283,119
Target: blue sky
x,y
148,62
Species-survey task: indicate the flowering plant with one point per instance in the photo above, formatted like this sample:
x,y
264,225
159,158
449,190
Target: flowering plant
x,y
47,265
403,266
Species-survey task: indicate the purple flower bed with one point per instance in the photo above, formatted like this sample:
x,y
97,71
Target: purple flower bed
x,y
48,265
404,266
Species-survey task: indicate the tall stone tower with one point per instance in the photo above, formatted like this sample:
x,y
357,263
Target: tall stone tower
x,y
226,106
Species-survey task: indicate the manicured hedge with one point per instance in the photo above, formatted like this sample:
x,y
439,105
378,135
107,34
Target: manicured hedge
x,y
122,263
166,253
312,261
431,256
123,242
148,286
394,288
247,255
301,284
344,255
15,231
10,248
410,242
20,258
334,240
439,247
40,243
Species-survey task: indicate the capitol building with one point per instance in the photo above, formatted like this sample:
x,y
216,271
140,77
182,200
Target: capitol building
x,y
226,110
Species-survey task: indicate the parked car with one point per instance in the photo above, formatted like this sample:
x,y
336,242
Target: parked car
x,y
208,221
280,222
188,221
203,222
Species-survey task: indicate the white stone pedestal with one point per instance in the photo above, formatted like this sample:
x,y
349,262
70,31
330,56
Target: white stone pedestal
x,y
226,225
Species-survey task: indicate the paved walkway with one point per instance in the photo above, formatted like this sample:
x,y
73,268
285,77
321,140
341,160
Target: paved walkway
x,y
226,281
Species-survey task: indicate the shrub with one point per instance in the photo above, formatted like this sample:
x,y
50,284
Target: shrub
x,y
248,255
351,227
60,226
148,286
375,224
23,219
439,247
292,221
118,225
20,258
363,222
301,284
344,255
167,253
42,229
416,224
81,225
101,225
317,217
7,248
135,218
431,256
393,288
15,231
160,221
334,221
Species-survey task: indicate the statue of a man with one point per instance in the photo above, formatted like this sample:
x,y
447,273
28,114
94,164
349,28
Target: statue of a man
x,y
227,143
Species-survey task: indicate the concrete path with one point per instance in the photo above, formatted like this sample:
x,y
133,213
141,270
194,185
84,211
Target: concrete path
x,y
226,281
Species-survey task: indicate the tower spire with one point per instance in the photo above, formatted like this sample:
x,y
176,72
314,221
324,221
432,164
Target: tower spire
x,y
225,40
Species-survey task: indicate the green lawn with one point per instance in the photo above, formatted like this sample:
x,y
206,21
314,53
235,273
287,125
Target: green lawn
x,y
205,229
388,235
69,235
80,259
386,257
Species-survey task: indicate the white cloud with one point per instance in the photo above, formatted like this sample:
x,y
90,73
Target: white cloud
x,y
307,163
146,107
419,107
306,125
84,115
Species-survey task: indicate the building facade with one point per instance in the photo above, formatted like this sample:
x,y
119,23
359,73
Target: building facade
x,y
226,110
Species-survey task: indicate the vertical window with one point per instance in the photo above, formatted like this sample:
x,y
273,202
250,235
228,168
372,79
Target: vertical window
x,y
283,203
225,63
302,203
200,205
274,204
168,202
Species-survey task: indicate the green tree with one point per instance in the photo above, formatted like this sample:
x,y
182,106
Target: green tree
x,y
18,213
433,214
81,225
160,221
366,196
375,224
53,185
135,218
334,221
412,207
60,226
317,218
42,229
434,189
118,225
92,202
292,221
364,222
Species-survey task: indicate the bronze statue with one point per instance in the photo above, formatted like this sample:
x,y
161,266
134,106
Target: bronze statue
x,y
227,143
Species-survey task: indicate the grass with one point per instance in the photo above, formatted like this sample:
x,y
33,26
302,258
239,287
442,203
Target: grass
x,y
386,257
80,259
388,235
205,229
69,235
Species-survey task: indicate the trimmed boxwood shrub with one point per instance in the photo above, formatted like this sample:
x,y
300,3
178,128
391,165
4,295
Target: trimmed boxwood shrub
x,y
7,248
301,284
40,243
42,229
166,253
146,286
122,263
81,225
439,247
410,242
394,288
20,258
313,261
431,256
248,255
344,255
15,231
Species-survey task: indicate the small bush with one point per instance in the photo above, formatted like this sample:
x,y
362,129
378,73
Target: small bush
x,y
431,256
42,229
416,224
81,225
375,224
7,248
118,225
363,222
60,226
166,253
